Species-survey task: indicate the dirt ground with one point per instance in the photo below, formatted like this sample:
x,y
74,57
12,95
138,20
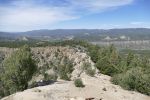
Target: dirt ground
x,y
98,87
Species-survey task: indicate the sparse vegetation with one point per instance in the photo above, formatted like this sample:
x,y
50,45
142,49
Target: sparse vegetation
x,y
78,83
130,71
87,68
50,77
90,72
65,69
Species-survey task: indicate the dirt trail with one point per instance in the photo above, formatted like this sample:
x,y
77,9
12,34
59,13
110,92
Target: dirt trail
x,y
98,87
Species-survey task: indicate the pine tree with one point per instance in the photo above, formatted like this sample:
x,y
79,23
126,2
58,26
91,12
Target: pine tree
x,y
18,70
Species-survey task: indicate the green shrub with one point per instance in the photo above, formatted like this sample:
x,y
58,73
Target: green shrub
x,y
64,73
108,60
86,65
64,76
78,83
1,90
90,72
50,77
65,69
88,69
18,70
106,67
133,79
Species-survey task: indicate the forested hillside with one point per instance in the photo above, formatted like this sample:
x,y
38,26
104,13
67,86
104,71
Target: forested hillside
x,y
91,35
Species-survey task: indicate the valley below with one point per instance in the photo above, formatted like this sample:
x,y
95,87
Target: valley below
x,y
132,44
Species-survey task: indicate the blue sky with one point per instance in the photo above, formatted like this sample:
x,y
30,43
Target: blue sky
x,y
24,15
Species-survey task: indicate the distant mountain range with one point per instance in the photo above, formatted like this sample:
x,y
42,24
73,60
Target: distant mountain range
x,y
83,34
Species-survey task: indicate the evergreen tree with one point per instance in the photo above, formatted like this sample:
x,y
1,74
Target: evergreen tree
x,y
130,57
18,70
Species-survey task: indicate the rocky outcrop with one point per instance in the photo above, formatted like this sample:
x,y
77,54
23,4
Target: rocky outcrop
x,y
52,56
48,57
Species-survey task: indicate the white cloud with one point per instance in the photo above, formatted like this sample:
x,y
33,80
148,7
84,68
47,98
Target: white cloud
x,y
134,24
109,26
21,15
99,5
34,16
137,23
